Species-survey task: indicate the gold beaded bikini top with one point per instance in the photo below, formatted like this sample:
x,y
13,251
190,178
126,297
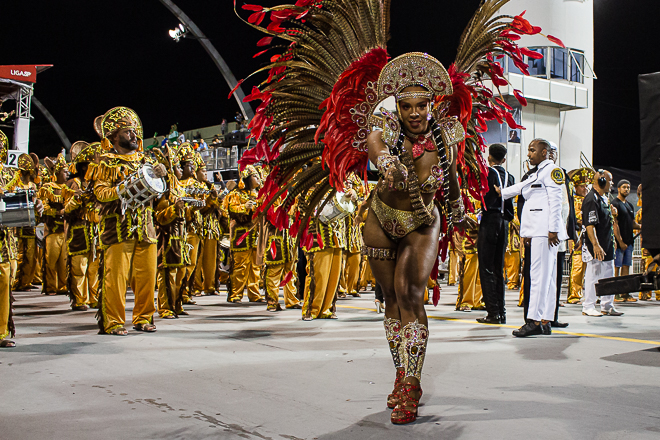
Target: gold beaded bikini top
x,y
434,181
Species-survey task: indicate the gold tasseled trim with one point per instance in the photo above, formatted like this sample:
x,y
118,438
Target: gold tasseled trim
x,y
107,171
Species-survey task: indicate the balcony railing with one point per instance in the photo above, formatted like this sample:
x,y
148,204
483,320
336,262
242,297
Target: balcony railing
x,y
557,63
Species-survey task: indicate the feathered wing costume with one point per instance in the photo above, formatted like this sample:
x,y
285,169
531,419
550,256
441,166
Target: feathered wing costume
x,y
318,100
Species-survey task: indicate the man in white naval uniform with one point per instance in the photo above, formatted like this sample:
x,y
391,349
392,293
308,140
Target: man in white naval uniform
x,y
541,223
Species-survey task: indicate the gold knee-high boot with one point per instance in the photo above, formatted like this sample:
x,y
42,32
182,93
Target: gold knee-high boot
x,y
414,338
393,335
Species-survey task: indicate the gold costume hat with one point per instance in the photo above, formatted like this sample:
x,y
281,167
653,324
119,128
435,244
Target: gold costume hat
x,y
248,171
582,176
4,145
117,119
55,166
414,69
84,152
76,148
25,163
186,153
199,161
97,126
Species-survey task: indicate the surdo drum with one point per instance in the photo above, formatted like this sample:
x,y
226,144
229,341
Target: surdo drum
x,y
337,208
17,209
140,188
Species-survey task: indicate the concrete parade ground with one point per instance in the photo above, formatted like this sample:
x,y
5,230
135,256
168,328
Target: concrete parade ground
x,y
236,371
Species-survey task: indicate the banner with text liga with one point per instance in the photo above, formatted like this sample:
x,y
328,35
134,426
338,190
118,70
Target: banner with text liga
x,y
25,73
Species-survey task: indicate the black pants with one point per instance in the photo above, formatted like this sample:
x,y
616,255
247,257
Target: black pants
x,y
379,293
491,246
560,272
301,270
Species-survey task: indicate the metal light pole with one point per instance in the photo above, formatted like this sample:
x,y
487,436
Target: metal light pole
x,y
246,109
65,140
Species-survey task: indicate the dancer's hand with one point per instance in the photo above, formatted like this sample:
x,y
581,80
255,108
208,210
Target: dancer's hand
x,y
396,177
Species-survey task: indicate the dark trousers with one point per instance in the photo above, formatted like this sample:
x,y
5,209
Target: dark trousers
x,y
301,270
491,246
378,292
560,272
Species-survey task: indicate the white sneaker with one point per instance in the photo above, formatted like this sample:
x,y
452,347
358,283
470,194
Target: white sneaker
x,y
611,312
591,312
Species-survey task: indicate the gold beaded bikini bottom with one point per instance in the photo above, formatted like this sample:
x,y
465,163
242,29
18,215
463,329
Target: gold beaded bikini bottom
x,y
395,222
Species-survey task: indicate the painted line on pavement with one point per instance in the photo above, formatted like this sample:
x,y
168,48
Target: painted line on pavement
x,y
558,332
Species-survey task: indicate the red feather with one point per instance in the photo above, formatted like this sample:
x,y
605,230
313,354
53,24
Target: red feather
x,y
337,125
240,240
238,84
286,279
273,249
556,40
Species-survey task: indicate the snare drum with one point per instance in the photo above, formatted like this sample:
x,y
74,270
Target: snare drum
x,y
17,209
336,209
140,188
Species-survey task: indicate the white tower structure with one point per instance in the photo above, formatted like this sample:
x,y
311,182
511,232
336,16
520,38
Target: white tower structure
x,y
560,89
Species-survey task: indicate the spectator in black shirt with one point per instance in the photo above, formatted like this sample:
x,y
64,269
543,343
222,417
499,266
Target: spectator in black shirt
x,y
493,230
599,253
625,240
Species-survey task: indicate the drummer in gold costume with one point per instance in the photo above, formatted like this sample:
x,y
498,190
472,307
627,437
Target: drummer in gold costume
x,y
82,219
7,253
324,262
280,256
27,244
194,222
647,258
580,178
173,254
240,205
128,238
470,296
512,255
348,283
211,232
52,194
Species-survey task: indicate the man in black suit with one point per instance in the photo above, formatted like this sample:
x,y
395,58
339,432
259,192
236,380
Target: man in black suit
x,y
493,230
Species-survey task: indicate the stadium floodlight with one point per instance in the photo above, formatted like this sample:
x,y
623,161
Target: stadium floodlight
x,y
178,33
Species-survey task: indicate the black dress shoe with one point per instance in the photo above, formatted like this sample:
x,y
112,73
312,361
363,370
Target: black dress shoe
x,y
559,324
529,329
502,319
489,320
546,329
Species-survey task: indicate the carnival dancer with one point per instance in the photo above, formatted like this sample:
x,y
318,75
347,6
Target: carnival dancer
x,y
470,294
26,235
82,218
580,177
240,205
353,252
128,238
205,271
173,252
52,194
512,255
195,222
7,254
324,263
316,115
278,257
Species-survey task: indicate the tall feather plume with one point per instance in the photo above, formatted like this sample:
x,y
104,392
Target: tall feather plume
x,y
303,127
487,38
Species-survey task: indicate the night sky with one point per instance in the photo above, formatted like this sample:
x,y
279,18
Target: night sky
x,y
119,53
